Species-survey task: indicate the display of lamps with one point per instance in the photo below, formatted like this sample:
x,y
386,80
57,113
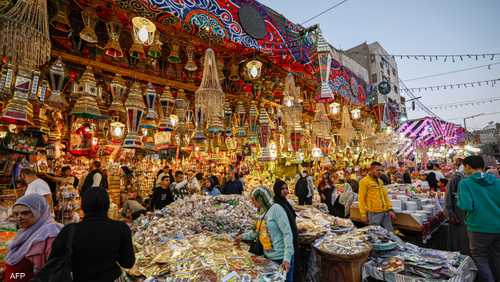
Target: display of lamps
x,y
151,102
209,98
90,19
324,94
190,64
113,29
241,114
264,135
168,120
86,105
57,74
155,48
118,91
254,69
174,56
18,109
143,30
135,109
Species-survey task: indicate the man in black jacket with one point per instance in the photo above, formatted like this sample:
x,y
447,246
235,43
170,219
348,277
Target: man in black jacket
x,y
162,195
96,178
233,186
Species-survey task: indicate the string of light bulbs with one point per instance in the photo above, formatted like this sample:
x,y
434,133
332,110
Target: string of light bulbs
x,y
436,57
461,104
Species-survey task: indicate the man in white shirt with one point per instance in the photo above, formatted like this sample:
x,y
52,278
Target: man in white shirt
x,y
36,185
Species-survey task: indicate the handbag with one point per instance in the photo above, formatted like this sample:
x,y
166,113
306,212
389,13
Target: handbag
x,y
59,269
256,247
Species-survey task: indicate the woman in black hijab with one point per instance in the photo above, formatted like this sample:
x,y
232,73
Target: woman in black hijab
x,y
100,245
280,192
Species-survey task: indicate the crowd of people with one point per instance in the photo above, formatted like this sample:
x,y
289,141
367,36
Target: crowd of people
x,y
100,246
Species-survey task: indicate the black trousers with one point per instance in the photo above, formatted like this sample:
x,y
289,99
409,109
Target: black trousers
x,y
305,201
485,250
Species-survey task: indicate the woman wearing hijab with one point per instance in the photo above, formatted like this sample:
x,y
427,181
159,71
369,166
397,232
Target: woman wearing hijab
x,y
30,249
100,245
280,190
327,191
273,231
212,186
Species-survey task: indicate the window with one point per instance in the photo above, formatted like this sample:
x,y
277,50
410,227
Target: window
x,y
374,77
372,58
394,71
396,89
381,65
388,73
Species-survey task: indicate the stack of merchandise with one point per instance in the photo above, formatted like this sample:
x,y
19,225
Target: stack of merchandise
x,y
353,244
204,257
313,223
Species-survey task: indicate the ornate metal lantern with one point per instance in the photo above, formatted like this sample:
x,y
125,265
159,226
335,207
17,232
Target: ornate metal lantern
x,y
253,116
135,109
151,102
228,117
241,114
113,48
254,69
143,30
325,94
56,73
168,120
19,110
86,105
155,48
90,19
264,135
118,90
190,64
174,56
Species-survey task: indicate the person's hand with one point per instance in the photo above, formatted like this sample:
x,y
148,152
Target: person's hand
x,y
393,215
285,266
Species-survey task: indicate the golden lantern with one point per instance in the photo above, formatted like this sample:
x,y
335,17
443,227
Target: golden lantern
x,y
90,19
254,69
136,51
356,113
143,31
190,64
174,56
234,71
118,89
86,105
61,21
113,48
155,49
18,109
117,131
334,108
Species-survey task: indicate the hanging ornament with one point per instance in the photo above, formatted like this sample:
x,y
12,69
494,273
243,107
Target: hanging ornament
x,y
264,135
118,90
61,22
6,79
168,120
35,80
234,71
228,117
57,73
325,94
253,117
174,56
190,64
86,105
209,98
254,69
113,48
151,102
155,48
18,109
135,109
346,131
90,19
24,33
143,30
136,51
241,114
181,106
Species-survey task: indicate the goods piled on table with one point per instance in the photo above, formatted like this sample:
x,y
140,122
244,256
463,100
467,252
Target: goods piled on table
x,y
313,223
205,257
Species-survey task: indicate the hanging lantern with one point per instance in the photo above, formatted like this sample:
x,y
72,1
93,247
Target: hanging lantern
x,y
325,94
209,98
241,114
190,64
316,153
356,113
334,108
35,80
6,79
174,56
264,135
83,140
151,102
135,109
288,101
155,48
254,68
168,120
18,109
136,51
90,19
234,71
148,137
228,116
296,140
346,131
113,48
143,30
56,73
86,105
253,116
118,90
61,22
117,131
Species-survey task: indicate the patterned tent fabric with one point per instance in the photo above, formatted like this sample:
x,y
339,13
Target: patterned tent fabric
x,y
431,131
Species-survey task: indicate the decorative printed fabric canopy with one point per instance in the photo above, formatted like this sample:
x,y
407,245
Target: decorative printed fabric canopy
x,y
430,131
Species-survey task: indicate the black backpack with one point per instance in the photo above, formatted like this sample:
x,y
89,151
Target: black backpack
x,y
59,269
301,189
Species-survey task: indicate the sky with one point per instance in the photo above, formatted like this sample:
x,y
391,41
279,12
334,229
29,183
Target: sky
x,y
419,27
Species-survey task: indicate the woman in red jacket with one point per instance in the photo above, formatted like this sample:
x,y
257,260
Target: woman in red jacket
x,y
29,250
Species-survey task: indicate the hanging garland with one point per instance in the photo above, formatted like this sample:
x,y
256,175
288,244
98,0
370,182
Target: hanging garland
x,y
491,82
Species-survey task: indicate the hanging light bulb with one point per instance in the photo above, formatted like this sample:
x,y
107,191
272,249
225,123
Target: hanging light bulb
x,y
356,113
254,68
144,30
334,108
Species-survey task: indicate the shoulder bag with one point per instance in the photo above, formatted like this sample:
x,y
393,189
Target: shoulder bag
x,y
256,247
